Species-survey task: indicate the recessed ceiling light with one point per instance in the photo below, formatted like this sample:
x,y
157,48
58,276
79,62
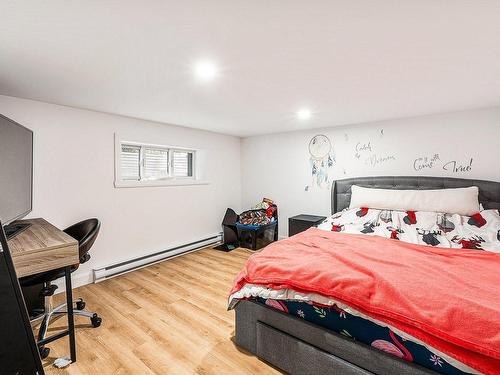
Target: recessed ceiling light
x,y
205,70
304,114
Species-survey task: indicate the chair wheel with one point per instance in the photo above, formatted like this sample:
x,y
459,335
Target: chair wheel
x,y
80,305
44,352
96,321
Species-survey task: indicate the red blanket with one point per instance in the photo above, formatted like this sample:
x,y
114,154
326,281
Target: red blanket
x,y
447,298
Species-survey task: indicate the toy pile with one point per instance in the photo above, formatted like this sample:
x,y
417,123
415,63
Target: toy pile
x,y
263,213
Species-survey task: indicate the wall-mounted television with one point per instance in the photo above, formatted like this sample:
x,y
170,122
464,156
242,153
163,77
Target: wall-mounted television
x,y
16,170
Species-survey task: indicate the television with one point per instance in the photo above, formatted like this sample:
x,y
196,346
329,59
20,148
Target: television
x,y
16,170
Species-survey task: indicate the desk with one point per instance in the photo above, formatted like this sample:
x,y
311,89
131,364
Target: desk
x,y
43,247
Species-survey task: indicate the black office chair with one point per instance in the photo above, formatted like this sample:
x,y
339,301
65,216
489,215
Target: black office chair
x,y
86,233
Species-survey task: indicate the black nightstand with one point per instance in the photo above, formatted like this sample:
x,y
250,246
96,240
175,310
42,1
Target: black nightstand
x,y
300,223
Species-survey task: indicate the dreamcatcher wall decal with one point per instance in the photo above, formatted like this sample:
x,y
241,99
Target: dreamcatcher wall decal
x,y
322,159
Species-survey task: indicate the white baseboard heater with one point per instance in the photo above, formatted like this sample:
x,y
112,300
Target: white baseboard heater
x,y
120,268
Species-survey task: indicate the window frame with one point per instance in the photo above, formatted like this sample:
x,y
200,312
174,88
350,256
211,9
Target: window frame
x,y
170,180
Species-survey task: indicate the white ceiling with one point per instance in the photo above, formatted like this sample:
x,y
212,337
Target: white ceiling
x,y
348,61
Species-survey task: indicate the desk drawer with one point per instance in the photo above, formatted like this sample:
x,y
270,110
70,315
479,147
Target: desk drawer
x,y
298,357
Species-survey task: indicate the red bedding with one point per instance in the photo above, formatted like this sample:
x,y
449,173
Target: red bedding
x,y
447,298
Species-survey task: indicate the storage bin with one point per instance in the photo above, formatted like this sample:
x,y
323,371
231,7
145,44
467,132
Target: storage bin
x,y
256,237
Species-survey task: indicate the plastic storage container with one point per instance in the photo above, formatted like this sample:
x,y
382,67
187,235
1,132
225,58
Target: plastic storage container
x,y
256,237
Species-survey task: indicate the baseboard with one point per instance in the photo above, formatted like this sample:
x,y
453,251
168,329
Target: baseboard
x,y
124,266
81,278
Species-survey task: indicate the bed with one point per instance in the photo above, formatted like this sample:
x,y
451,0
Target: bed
x,y
299,346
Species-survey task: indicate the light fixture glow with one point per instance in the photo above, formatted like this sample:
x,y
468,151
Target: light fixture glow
x,y
304,114
206,70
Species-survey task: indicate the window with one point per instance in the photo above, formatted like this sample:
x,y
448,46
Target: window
x,y
142,164
182,162
130,162
155,163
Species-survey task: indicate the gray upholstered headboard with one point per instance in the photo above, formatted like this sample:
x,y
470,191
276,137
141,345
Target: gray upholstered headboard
x,y
489,191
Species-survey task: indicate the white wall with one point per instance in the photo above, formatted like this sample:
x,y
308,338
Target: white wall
x,y
74,170
74,175
277,166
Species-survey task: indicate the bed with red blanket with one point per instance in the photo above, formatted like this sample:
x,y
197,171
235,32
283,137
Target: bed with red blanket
x,y
446,299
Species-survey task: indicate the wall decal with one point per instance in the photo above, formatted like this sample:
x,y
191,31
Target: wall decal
x,y
366,152
456,167
374,160
430,162
361,148
426,162
321,159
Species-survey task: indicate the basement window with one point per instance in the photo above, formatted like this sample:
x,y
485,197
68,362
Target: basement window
x,y
139,164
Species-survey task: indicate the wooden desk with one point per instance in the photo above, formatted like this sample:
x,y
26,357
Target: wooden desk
x,y
43,247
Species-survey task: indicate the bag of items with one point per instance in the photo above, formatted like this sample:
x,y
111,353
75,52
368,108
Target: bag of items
x,y
254,217
262,213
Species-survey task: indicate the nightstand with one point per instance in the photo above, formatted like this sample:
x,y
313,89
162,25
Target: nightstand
x,y
300,223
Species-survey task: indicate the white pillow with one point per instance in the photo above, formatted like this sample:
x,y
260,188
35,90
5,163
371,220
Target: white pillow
x,y
462,201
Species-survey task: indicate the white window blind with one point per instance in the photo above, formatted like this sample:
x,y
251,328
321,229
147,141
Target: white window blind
x,y
142,162
182,162
155,163
130,162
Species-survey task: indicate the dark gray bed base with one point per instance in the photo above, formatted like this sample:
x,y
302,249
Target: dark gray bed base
x,y
299,347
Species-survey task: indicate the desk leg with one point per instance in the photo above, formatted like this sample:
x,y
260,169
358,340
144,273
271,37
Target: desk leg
x,y
71,322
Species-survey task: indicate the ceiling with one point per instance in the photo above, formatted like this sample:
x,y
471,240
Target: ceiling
x,y
347,61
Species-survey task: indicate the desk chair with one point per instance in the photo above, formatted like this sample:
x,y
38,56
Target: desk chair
x,y
85,232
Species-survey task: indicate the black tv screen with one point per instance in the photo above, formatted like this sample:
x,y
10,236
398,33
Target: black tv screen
x,y
16,170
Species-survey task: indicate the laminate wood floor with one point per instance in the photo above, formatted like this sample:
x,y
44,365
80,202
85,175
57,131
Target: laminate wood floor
x,y
168,318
